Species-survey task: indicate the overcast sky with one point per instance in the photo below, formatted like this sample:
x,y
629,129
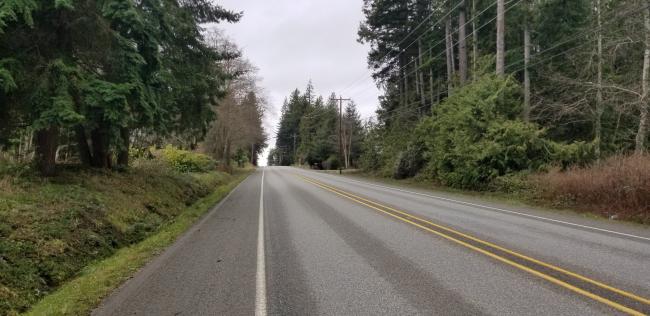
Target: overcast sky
x,y
293,41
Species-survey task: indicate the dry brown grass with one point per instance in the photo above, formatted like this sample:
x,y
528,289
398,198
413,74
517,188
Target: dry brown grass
x,y
617,187
6,185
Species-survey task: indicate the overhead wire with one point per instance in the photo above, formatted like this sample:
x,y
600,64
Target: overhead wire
x,y
368,74
613,19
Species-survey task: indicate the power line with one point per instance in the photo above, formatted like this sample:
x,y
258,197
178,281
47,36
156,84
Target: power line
x,y
430,49
455,31
367,74
466,37
580,35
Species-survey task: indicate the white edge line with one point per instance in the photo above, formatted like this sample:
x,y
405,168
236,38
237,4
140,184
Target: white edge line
x,y
501,210
260,275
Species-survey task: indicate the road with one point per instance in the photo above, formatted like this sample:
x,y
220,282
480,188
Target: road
x,y
334,245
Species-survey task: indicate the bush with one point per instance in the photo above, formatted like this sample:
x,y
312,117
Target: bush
x,y
515,183
475,136
409,161
332,163
575,154
141,153
370,159
186,161
618,186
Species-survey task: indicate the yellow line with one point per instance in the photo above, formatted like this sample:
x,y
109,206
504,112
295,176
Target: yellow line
x,y
516,254
485,252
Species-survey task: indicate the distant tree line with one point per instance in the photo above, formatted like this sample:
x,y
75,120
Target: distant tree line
x,y
310,132
85,80
237,135
476,89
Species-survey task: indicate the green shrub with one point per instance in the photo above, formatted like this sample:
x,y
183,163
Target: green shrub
x,y
409,161
475,135
9,166
141,153
370,159
332,163
186,161
514,183
575,154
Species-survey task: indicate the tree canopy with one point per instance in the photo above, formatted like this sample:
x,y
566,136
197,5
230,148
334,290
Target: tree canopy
x,y
102,72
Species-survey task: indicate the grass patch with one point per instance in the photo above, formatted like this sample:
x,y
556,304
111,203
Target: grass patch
x,y
81,295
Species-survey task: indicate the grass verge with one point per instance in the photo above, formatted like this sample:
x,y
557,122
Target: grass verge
x,y
80,295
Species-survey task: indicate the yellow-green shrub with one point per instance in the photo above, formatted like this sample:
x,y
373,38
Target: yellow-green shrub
x,y
187,161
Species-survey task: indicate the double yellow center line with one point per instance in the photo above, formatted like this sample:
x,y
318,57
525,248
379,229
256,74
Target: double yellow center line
x,y
546,271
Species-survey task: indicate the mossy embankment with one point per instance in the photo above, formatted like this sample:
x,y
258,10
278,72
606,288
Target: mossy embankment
x,y
54,230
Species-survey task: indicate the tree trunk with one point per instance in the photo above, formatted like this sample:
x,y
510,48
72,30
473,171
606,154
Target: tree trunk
x,y
431,84
349,150
449,57
526,113
101,154
123,154
400,81
226,153
417,76
474,41
501,31
452,52
346,153
30,144
253,159
46,145
599,90
402,99
19,153
462,45
82,146
406,87
645,85
421,74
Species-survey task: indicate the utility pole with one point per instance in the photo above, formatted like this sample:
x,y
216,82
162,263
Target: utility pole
x,y
340,99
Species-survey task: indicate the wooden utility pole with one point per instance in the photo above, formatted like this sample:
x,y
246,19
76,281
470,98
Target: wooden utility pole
x,y
340,99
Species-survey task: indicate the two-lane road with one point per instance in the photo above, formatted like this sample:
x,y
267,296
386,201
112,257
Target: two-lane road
x,y
332,245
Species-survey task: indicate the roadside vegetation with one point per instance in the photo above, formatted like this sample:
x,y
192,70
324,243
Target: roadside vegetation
x,y
546,101
618,188
52,228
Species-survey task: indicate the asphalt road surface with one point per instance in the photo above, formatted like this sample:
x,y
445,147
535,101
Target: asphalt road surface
x,y
335,245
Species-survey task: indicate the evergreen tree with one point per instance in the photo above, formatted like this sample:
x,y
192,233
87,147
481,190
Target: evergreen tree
x,y
103,69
